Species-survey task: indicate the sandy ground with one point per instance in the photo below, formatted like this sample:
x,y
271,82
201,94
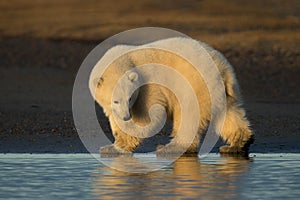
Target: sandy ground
x,y
44,42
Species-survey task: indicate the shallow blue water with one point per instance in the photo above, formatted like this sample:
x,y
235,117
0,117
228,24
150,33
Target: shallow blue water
x,y
80,176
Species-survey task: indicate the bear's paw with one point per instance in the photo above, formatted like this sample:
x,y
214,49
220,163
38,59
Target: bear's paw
x,y
111,149
171,148
233,150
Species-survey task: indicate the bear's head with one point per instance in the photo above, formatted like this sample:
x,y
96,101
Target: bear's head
x,y
124,95
117,97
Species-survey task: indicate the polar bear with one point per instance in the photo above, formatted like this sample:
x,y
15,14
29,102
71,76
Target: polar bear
x,y
133,104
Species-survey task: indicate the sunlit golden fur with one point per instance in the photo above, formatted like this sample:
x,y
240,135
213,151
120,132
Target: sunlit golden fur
x,y
236,131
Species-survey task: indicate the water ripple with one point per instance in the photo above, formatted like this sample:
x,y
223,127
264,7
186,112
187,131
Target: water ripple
x,y
69,176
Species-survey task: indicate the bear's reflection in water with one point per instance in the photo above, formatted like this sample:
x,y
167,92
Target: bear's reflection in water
x,y
188,177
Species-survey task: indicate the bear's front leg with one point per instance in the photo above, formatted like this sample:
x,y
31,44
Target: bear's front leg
x,y
123,144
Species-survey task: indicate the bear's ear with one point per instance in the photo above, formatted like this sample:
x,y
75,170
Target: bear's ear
x,y
133,76
98,81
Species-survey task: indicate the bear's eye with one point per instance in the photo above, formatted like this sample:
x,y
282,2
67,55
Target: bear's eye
x,y
129,99
116,102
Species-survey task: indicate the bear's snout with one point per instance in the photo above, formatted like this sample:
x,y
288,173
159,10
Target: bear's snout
x,y
126,118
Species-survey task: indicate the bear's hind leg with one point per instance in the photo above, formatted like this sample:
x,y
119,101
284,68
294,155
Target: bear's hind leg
x,y
236,132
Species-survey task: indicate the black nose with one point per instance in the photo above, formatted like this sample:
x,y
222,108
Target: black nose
x,y
127,118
